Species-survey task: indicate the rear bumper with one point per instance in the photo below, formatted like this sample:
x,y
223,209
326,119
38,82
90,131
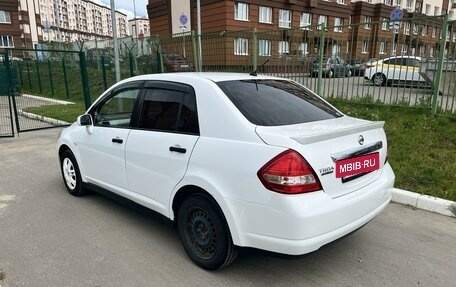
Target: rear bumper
x,y
301,224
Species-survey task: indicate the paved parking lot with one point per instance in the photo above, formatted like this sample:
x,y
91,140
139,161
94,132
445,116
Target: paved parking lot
x,y
49,238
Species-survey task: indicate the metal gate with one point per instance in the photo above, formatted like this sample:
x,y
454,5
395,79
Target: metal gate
x,y
35,92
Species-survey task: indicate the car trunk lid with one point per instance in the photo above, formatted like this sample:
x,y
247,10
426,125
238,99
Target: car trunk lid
x,y
330,145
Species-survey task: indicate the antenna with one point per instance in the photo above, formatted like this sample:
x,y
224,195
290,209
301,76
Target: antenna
x,y
254,73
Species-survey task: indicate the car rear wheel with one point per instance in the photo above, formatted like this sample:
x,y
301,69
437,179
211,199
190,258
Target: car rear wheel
x,y
349,73
71,174
330,74
204,233
379,79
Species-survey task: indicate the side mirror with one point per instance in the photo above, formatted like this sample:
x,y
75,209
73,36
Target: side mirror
x,y
85,120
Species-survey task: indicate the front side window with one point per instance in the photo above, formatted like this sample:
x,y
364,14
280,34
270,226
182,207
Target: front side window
x,y
265,15
276,102
116,110
5,17
241,11
169,111
264,48
303,47
284,18
241,46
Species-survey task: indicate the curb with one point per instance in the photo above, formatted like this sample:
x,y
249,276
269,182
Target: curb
x,y
424,202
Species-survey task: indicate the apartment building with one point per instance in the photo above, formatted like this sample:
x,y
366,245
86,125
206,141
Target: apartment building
x,y
139,27
27,23
349,24
72,20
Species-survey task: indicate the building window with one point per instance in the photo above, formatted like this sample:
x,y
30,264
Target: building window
x,y
241,46
385,24
388,2
398,3
424,30
434,32
241,11
340,1
431,52
338,22
264,47
409,5
428,9
6,42
5,17
303,47
367,21
365,47
404,49
407,28
265,15
322,19
306,21
349,22
284,18
436,11
284,47
415,29
382,49
348,47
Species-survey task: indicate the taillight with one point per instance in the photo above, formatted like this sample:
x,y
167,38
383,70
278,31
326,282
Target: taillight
x,y
289,173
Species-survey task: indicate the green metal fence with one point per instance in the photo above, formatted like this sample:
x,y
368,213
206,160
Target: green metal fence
x,y
61,80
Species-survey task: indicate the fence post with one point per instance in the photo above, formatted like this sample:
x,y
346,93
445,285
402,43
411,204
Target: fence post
x,y
65,77
51,82
9,81
195,52
85,79
255,49
130,59
160,59
38,71
438,74
321,48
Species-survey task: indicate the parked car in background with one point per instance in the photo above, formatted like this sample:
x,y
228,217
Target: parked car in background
x,y
235,160
176,63
331,67
360,66
395,70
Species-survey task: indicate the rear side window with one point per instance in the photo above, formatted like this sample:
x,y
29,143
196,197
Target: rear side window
x,y
169,110
276,102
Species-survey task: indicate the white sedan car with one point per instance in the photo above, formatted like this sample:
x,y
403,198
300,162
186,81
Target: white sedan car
x,y
234,160
395,70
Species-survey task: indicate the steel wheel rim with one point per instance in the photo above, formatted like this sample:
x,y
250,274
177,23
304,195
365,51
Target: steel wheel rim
x,y
200,233
378,80
69,173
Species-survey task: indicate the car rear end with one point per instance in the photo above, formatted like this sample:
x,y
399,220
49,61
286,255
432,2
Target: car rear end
x,y
325,67
330,177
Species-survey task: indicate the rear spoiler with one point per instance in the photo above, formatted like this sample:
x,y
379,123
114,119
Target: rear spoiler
x,y
317,137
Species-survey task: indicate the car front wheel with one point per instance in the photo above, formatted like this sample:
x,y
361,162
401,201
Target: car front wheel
x,y
204,233
71,174
379,79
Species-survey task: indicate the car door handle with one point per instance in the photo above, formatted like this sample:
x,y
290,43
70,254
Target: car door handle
x,y
177,149
117,140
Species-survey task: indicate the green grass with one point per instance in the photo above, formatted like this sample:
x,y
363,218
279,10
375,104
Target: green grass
x,y
2,275
422,148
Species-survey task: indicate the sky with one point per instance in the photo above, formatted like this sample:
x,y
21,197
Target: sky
x,y
127,7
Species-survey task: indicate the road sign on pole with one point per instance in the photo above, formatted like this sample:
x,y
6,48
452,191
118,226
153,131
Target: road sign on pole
x,y
396,14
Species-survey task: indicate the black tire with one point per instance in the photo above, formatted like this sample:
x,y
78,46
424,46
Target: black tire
x,y
379,79
330,74
70,174
204,233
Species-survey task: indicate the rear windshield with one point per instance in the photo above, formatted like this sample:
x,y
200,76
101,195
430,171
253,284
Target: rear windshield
x,y
276,102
